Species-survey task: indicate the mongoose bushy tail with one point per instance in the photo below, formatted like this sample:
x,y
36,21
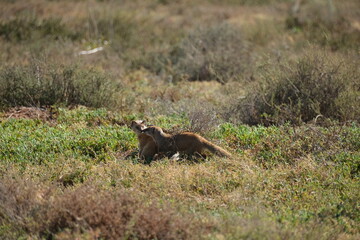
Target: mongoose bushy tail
x,y
216,149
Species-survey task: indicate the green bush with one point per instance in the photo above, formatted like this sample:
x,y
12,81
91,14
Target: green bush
x,y
39,84
316,85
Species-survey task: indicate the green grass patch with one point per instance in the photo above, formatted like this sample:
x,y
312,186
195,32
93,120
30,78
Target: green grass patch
x,y
35,142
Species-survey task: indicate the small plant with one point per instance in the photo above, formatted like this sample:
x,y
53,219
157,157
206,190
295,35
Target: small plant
x,y
202,120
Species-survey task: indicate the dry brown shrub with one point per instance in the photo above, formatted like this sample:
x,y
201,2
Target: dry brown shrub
x,y
89,210
203,119
17,201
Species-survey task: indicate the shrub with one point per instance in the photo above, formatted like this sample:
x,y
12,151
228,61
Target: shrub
x,y
111,214
131,35
32,28
215,53
203,119
39,84
325,23
247,2
314,85
120,29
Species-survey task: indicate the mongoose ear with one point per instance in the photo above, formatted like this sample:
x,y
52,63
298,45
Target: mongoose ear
x,y
143,122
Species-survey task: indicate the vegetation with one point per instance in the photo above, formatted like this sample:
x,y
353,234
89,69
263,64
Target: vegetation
x,y
41,84
275,83
77,181
216,53
313,86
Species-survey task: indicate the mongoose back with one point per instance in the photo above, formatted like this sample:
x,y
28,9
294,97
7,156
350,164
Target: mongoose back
x,y
147,145
186,142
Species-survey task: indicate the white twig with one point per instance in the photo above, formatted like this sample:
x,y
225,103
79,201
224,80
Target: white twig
x,y
94,50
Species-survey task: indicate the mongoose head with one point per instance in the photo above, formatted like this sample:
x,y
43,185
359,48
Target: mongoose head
x,y
151,131
138,126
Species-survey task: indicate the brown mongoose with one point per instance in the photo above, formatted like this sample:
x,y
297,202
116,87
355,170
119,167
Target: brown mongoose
x,y
186,142
147,145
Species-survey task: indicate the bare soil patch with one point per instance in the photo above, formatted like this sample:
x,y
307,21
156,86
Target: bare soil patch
x,y
44,114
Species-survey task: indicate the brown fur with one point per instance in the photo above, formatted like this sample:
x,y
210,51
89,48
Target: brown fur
x,y
147,146
186,142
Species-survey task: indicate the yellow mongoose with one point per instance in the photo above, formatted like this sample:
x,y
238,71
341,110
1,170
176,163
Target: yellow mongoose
x,y
186,142
147,146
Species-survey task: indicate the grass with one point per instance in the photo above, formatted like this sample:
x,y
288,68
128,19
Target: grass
x,y
80,143
281,180
276,87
